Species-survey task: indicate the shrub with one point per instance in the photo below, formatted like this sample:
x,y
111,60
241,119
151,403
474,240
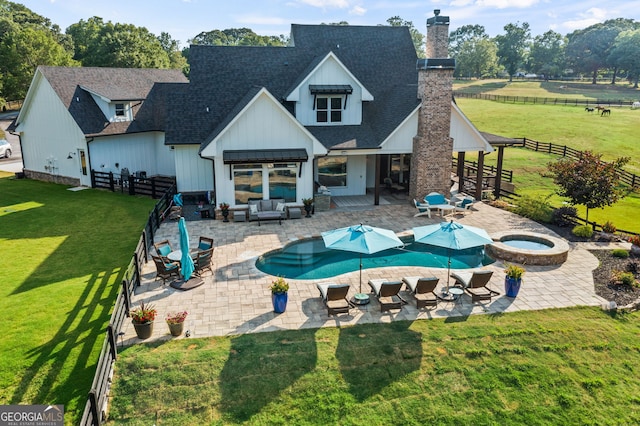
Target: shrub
x,y
620,253
609,228
279,286
635,240
535,208
564,216
584,231
624,278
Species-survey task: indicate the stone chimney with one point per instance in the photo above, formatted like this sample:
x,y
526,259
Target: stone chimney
x,y
432,146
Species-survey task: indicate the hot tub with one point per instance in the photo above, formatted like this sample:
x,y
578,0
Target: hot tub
x,y
528,248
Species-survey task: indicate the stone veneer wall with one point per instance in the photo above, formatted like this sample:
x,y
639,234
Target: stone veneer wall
x,y
437,40
46,177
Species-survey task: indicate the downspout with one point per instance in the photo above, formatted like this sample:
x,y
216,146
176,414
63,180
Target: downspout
x,y
21,150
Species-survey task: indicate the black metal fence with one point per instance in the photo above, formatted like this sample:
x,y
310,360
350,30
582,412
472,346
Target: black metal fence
x,y
153,187
96,405
543,101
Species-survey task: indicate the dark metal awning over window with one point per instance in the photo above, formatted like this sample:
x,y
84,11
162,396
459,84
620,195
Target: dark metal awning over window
x,y
264,156
338,89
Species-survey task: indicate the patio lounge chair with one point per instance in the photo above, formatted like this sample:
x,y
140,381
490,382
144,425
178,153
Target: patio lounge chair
x,y
423,290
334,296
475,283
202,261
435,200
205,243
387,293
423,209
463,204
166,269
163,248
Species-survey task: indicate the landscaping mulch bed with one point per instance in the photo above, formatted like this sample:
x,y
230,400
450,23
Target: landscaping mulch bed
x,y
602,276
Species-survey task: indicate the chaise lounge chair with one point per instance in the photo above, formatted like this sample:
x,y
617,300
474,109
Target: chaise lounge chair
x,y
334,297
387,293
423,290
475,283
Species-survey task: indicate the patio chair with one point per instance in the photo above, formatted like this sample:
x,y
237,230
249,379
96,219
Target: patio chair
x,y
205,243
163,248
475,283
387,293
423,290
423,209
334,296
202,261
463,205
435,198
166,269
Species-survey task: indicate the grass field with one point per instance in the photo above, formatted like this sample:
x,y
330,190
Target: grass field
x,y
63,258
613,137
571,366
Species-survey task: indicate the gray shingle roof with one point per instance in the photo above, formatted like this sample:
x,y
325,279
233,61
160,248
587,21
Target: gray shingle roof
x,y
382,58
150,87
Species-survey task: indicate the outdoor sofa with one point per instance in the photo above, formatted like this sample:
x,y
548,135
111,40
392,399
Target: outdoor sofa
x,y
273,205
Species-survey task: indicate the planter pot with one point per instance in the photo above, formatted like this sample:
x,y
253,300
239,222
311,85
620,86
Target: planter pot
x,y
225,215
176,329
279,301
143,331
308,210
512,286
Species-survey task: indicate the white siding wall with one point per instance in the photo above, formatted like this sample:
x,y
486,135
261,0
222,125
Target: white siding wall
x,y
401,140
140,151
193,173
262,126
49,134
330,73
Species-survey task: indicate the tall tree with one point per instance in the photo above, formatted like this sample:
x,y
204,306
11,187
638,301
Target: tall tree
x,y
463,34
626,54
416,36
512,46
172,48
237,37
547,54
477,58
588,180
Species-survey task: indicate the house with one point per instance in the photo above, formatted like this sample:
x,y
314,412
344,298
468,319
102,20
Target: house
x,y
76,119
344,107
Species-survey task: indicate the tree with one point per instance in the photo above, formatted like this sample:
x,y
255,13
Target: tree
x,y
547,54
512,46
416,36
463,34
477,58
626,54
172,48
588,180
237,37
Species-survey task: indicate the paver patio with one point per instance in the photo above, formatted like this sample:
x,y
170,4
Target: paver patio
x,y
235,299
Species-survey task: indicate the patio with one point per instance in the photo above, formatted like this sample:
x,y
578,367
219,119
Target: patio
x,y
235,299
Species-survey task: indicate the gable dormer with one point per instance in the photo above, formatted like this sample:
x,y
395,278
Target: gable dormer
x,y
114,110
329,95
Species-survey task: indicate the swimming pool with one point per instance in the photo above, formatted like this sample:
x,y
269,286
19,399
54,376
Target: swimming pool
x,y
310,259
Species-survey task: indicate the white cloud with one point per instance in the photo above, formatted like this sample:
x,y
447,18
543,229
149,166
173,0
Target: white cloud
x,y
586,19
358,10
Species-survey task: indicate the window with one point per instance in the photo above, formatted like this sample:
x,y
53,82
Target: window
x,y
328,109
282,181
119,110
247,182
332,171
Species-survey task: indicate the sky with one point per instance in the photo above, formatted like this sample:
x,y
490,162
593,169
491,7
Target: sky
x,y
184,19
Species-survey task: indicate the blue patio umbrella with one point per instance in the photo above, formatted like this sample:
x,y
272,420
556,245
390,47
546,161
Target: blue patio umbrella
x,y
177,200
361,239
186,263
452,236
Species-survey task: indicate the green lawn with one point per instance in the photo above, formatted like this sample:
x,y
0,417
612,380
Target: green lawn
x,y
613,137
572,366
63,258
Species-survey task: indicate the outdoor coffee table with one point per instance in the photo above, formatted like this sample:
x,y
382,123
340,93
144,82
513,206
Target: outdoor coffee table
x,y
444,207
452,295
176,255
269,216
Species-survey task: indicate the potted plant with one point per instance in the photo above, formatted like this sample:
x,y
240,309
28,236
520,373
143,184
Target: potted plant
x,y
175,321
142,318
224,207
279,295
513,279
308,205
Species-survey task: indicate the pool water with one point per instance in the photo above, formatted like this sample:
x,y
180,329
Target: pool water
x,y
526,244
310,259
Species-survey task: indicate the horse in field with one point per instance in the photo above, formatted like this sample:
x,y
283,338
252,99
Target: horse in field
x,y
605,111
588,109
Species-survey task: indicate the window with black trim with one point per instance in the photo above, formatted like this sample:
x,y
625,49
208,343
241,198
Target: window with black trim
x,y
119,110
329,109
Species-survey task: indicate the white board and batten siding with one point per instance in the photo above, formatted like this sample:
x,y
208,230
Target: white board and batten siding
x,y
193,173
41,146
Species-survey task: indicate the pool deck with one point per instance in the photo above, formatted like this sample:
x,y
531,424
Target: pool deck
x,y
235,298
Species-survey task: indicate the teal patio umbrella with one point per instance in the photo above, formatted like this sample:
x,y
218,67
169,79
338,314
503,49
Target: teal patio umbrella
x,y
186,262
452,236
361,239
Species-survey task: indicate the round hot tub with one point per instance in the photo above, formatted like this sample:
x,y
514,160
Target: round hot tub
x,y
528,248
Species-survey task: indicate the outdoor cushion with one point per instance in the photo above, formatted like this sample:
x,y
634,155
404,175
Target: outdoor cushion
x,y
164,250
253,208
280,207
265,205
435,199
